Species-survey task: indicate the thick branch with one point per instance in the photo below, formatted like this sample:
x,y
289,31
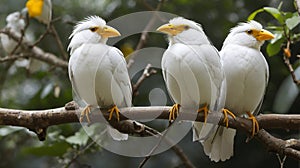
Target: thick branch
x,y
39,120
37,52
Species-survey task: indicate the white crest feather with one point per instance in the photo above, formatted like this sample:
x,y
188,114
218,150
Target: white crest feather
x,y
88,22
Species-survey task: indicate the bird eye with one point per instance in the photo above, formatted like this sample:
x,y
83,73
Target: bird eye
x,y
93,29
249,31
186,27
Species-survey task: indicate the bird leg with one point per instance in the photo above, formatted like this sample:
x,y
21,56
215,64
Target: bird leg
x,y
112,110
255,125
204,109
226,112
85,112
174,110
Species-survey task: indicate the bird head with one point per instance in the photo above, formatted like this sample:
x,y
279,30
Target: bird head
x,y
15,21
91,30
250,34
184,31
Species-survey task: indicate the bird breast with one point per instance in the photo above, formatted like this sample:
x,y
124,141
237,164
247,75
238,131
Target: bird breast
x,y
95,71
186,74
246,75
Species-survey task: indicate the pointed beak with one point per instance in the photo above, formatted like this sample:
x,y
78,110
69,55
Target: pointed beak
x,y
166,28
108,31
264,35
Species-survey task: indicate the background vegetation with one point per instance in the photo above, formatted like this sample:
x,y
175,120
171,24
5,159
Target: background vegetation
x,y
49,87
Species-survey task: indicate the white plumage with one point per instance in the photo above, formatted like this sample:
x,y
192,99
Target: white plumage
x,y
247,74
97,71
15,23
192,70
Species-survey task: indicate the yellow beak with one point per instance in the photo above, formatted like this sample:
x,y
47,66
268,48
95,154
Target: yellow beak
x,y
171,29
108,31
263,35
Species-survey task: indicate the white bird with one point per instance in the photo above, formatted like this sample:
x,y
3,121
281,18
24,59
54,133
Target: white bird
x,y
192,72
15,24
97,71
247,74
40,10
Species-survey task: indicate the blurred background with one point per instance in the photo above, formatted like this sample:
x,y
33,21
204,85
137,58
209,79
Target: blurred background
x,y
47,87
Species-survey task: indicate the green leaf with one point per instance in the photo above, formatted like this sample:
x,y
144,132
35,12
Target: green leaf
x,y
57,149
275,13
274,48
253,14
292,22
80,138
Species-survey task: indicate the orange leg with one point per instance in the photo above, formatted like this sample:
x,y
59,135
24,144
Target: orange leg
x,y
226,112
85,112
255,125
204,109
174,110
112,110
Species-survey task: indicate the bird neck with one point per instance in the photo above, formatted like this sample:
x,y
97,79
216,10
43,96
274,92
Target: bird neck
x,y
189,37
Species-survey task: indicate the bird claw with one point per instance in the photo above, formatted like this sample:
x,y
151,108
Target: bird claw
x,y
112,110
255,125
205,110
174,110
226,112
85,113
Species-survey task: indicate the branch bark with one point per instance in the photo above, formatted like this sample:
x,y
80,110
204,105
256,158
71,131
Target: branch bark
x,y
36,52
39,120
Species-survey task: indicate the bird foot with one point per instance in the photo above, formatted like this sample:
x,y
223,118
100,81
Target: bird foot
x,y
173,112
255,125
114,109
226,112
205,110
85,113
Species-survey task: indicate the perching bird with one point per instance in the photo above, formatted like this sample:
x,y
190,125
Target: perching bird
x,y
40,10
247,76
192,72
97,71
15,24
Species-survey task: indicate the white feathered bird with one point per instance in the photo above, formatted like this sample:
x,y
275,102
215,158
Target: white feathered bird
x,y
15,24
40,10
192,72
247,76
97,71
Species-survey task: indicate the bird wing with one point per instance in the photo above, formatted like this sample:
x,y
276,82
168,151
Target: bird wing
x,y
257,109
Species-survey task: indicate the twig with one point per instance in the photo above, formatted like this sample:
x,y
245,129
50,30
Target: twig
x,y
42,36
80,152
59,43
178,151
161,138
144,35
287,55
281,161
21,38
286,59
13,57
277,145
37,52
147,73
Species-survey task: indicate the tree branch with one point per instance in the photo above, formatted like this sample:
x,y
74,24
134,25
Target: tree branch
x,y
37,52
39,120
147,72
